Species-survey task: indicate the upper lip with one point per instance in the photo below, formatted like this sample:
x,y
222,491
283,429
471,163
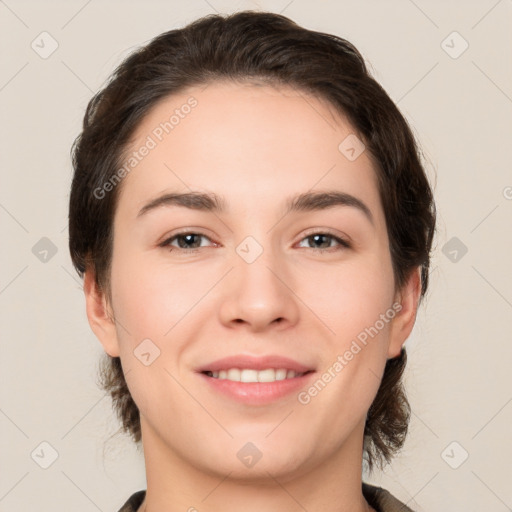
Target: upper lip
x,y
243,361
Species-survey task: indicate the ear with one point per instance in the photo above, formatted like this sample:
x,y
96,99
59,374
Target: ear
x,y
101,318
402,324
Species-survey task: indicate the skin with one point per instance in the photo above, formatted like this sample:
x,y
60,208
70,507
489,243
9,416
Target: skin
x,y
255,145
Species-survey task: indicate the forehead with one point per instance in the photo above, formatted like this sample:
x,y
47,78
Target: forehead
x,y
248,143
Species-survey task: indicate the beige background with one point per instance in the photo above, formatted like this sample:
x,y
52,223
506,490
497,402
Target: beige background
x,y
460,352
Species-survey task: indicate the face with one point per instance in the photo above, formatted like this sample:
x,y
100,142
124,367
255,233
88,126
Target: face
x,y
263,279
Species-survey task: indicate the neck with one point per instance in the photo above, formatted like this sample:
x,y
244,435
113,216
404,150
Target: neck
x,y
174,483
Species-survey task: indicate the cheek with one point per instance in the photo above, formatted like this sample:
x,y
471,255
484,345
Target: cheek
x,y
350,297
151,307
159,311
150,298
356,305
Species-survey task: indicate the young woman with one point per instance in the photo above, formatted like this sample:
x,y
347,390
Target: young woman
x,y
253,225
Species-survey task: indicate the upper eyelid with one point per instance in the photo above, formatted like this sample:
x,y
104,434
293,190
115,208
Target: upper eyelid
x,y
167,239
327,231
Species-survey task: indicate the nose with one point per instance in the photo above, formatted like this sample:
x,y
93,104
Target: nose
x,y
259,295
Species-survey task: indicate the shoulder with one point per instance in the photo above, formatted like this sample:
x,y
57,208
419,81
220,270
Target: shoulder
x,y
382,500
134,502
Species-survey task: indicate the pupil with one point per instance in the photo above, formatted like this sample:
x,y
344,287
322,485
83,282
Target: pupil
x,y
186,239
316,237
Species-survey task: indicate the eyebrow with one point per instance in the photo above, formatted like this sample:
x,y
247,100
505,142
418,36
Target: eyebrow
x,y
308,201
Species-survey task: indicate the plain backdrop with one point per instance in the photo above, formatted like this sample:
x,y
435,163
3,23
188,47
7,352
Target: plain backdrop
x,y
448,66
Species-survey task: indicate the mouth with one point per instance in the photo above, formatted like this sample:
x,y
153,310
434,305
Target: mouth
x,y
255,380
249,375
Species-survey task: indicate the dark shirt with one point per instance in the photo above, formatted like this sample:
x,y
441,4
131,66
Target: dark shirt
x,y
380,499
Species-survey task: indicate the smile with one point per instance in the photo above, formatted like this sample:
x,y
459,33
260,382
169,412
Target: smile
x,y
251,375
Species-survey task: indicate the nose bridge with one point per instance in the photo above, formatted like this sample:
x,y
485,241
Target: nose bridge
x,y
257,267
258,295
258,263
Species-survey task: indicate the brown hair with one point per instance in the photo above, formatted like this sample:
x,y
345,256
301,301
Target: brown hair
x,y
255,46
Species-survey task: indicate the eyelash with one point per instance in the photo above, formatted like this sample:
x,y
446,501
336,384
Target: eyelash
x,y
343,244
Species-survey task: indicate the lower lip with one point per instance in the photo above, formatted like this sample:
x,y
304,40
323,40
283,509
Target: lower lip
x,y
258,393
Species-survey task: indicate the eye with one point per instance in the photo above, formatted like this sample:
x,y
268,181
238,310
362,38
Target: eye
x,y
187,241
190,241
324,240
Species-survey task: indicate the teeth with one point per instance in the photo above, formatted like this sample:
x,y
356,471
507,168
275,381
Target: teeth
x,y
266,375
281,374
233,374
249,375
